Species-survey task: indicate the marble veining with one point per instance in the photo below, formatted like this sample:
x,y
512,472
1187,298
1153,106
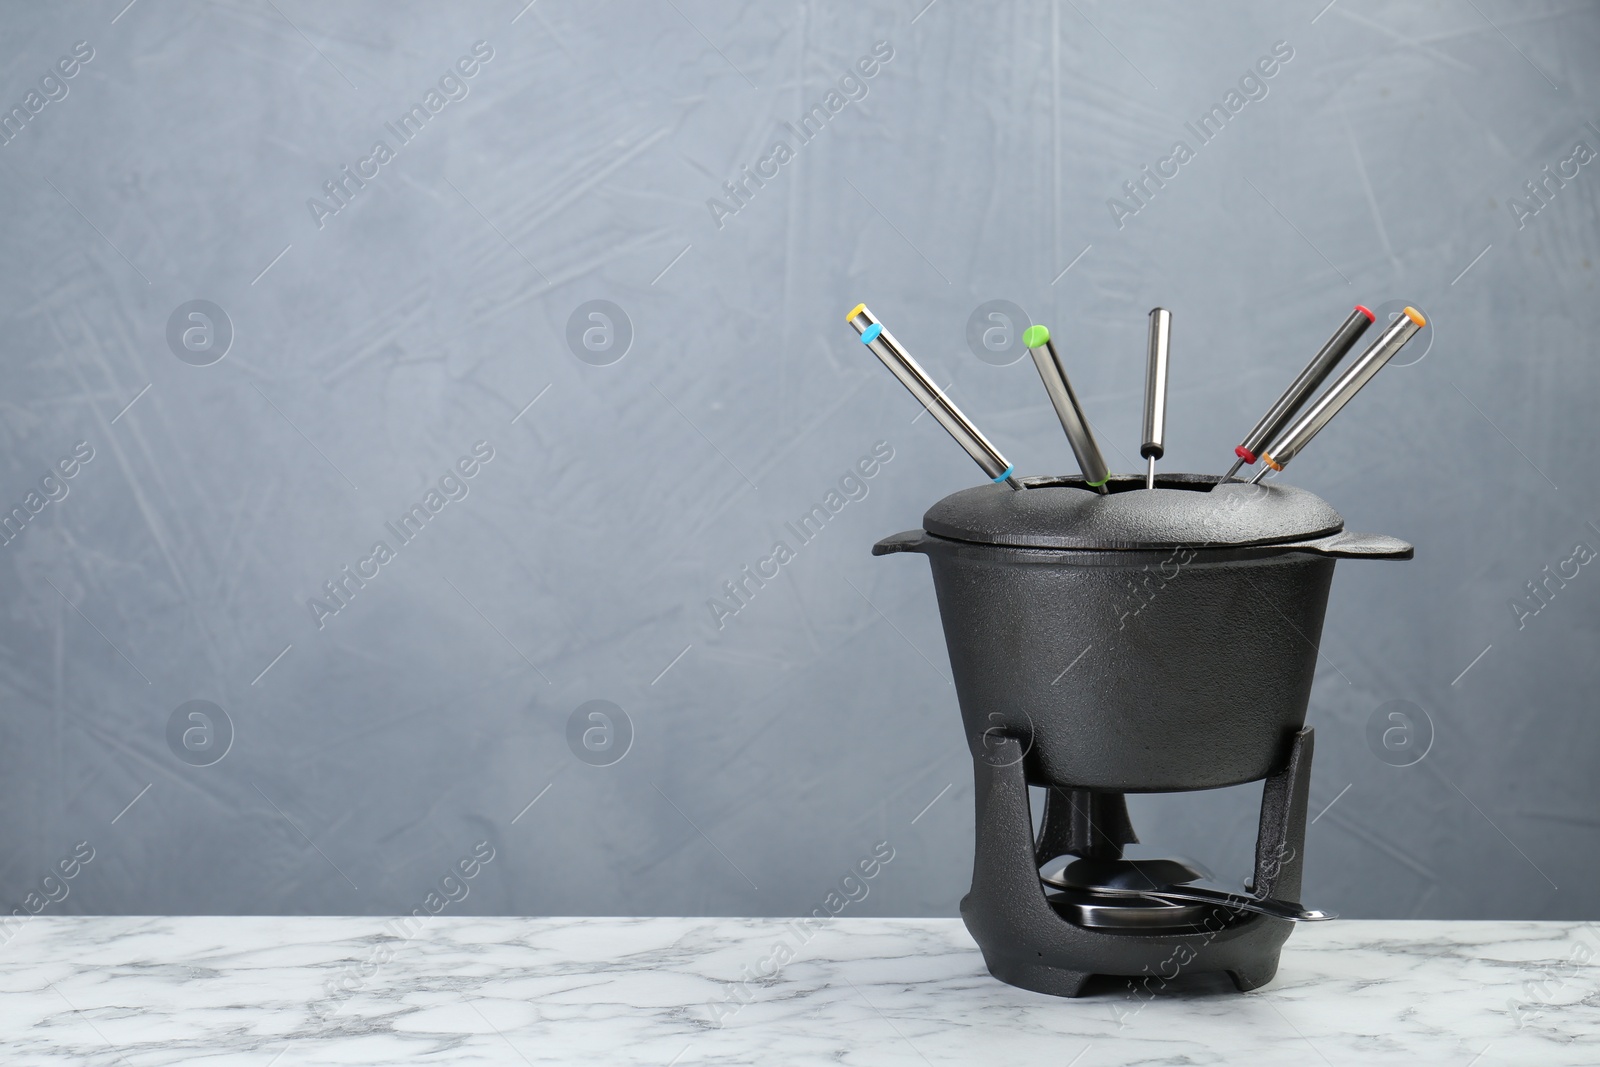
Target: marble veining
x,y
304,991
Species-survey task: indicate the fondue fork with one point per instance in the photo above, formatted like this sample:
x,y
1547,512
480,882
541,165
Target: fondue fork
x,y
911,375
1155,392
1068,410
1315,373
1403,329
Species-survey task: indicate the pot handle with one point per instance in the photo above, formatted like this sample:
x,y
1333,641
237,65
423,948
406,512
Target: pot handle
x,y
905,541
1347,544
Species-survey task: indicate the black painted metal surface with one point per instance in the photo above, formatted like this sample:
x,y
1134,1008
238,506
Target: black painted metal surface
x,y
1183,509
1025,943
1180,662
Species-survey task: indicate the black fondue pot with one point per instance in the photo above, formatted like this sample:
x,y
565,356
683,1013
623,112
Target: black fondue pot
x,y
1137,641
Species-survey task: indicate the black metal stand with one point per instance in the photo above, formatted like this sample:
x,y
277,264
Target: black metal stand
x,y
1026,943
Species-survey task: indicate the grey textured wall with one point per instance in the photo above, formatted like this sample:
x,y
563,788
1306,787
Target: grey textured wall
x,y
366,747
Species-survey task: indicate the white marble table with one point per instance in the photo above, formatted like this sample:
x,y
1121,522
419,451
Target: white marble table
x,y
150,991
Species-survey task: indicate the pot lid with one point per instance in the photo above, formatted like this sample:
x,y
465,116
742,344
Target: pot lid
x,y
1183,510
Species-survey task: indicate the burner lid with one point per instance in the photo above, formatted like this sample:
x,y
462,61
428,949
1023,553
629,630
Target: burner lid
x,y
1129,913
1070,883
1183,510
1130,872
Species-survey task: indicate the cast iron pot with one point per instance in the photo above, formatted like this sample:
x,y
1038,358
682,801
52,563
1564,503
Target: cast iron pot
x,y
1138,641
